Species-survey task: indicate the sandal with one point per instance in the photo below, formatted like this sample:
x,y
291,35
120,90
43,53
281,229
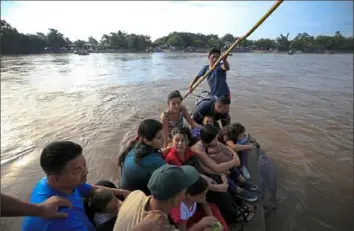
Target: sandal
x,y
245,214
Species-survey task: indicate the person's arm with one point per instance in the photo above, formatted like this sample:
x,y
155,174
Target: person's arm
x,y
238,147
206,221
189,119
200,74
200,111
13,207
213,186
115,191
224,148
164,121
225,66
165,151
208,162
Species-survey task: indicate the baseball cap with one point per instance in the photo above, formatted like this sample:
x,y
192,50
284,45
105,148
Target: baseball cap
x,y
168,180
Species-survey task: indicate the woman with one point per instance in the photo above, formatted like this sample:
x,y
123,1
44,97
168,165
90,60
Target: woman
x,y
174,116
142,157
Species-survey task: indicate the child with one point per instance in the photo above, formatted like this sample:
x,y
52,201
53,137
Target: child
x,y
196,131
223,162
234,136
217,78
174,116
105,205
194,213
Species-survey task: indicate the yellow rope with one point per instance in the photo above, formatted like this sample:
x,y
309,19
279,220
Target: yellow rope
x,y
270,11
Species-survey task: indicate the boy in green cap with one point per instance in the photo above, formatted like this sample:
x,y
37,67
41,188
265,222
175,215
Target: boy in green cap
x,y
168,185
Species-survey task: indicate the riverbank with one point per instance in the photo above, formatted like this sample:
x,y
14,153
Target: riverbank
x,y
182,51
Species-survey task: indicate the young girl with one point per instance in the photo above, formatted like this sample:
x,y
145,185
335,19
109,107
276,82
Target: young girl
x,y
174,116
180,153
194,213
106,206
219,162
234,136
142,157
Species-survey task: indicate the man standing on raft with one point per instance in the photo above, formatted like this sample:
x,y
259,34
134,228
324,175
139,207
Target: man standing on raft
x,y
217,78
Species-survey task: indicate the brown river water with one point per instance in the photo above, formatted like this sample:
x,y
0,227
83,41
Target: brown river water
x,y
299,107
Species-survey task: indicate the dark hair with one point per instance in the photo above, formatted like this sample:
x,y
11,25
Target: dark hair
x,y
57,154
184,131
148,129
99,200
234,130
223,100
174,94
214,50
198,187
208,133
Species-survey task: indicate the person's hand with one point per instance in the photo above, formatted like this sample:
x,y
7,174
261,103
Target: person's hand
x,y
154,221
210,181
208,221
49,208
250,146
221,187
224,178
190,89
224,57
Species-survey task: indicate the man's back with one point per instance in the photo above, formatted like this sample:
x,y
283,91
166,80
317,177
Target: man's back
x,y
204,108
76,220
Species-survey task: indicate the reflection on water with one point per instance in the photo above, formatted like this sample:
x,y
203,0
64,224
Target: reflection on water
x,y
299,107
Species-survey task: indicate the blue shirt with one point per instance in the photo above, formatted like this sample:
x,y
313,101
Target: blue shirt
x,y
76,220
216,80
207,108
136,177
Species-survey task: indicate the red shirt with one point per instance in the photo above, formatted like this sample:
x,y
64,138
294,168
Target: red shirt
x,y
173,158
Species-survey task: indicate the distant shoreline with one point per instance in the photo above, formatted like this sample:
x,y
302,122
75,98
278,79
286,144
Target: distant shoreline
x,y
185,52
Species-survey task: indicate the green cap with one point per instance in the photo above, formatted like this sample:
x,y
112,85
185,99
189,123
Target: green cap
x,y
168,180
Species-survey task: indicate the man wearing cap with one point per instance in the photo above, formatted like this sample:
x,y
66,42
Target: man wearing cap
x,y
168,186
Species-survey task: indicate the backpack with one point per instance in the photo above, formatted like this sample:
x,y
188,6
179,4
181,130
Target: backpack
x,y
204,95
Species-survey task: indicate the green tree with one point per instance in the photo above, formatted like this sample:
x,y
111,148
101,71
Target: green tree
x,y
55,39
79,44
92,40
283,42
228,38
176,40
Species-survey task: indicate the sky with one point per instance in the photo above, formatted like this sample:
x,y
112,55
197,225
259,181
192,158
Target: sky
x,y
79,20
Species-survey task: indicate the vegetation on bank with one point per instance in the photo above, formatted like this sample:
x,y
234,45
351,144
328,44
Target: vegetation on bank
x,y
14,42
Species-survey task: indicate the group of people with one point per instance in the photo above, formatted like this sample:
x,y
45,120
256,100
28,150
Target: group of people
x,y
172,176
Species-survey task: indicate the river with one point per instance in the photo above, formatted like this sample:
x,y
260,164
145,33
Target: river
x,y
299,107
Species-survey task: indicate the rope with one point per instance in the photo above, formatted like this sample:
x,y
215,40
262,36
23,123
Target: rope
x,y
270,11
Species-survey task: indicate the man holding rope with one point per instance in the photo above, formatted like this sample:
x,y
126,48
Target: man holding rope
x,y
217,78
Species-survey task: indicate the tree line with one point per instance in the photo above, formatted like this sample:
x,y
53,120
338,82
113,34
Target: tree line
x,y
302,41
14,42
